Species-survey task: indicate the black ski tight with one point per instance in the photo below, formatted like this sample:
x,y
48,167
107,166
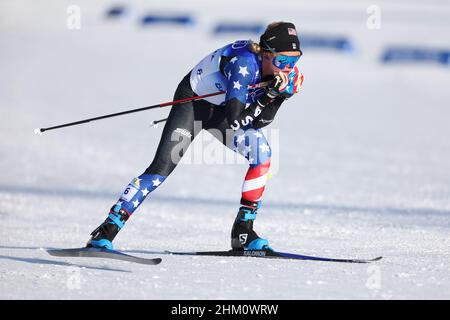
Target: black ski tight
x,y
179,130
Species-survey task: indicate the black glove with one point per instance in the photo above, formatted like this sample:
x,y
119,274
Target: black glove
x,y
273,90
277,85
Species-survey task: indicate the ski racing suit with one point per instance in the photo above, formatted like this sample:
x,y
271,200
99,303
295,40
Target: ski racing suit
x,y
237,116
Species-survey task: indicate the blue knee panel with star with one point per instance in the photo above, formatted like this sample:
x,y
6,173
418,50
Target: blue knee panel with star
x,y
253,145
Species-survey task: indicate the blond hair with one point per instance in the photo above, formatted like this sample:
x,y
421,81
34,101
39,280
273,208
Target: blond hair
x,y
254,47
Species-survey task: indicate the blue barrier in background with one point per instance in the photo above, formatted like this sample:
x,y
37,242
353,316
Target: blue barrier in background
x,y
230,27
336,43
306,41
416,54
115,12
151,19
326,42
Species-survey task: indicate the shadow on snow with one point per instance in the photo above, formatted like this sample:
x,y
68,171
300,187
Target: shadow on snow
x,y
51,262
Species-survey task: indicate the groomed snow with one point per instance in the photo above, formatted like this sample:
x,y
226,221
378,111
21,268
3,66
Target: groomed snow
x,y
361,165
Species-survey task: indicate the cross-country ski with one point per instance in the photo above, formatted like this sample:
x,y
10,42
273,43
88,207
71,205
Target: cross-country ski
x,y
269,254
101,253
224,150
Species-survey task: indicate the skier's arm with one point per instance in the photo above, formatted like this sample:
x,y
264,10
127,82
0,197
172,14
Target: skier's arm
x,y
240,72
234,109
284,90
268,113
264,109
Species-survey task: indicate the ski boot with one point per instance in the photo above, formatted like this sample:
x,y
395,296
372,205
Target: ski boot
x,y
103,236
243,237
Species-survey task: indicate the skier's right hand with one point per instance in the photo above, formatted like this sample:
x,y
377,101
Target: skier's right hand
x,y
285,84
277,85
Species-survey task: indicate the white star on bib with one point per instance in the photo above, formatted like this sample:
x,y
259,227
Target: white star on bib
x,y
243,71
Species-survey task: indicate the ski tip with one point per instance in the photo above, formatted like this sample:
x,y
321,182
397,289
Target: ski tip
x,y
152,261
366,260
55,252
377,258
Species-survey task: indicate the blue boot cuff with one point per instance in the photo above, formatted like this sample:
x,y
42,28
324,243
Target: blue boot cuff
x,y
115,219
248,214
258,244
102,243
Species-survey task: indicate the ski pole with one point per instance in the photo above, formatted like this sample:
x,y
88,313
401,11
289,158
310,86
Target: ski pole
x,y
41,130
154,123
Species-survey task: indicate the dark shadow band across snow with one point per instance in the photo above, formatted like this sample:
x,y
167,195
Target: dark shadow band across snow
x,y
76,193
53,262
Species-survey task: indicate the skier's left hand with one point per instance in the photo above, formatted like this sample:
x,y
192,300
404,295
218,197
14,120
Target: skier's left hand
x,y
295,81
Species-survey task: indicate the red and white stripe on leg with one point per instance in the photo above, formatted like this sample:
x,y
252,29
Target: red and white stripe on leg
x,y
255,182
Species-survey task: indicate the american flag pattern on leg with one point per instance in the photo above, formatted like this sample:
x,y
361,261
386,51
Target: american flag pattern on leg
x,y
255,182
252,144
137,191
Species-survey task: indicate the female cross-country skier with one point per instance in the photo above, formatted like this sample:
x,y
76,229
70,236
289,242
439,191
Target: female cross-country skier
x,y
243,110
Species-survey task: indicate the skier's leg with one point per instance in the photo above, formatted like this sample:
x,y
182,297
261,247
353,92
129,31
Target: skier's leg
x,y
257,150
176,137
252,144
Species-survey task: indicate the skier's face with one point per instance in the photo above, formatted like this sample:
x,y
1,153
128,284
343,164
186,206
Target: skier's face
x,y
274,63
